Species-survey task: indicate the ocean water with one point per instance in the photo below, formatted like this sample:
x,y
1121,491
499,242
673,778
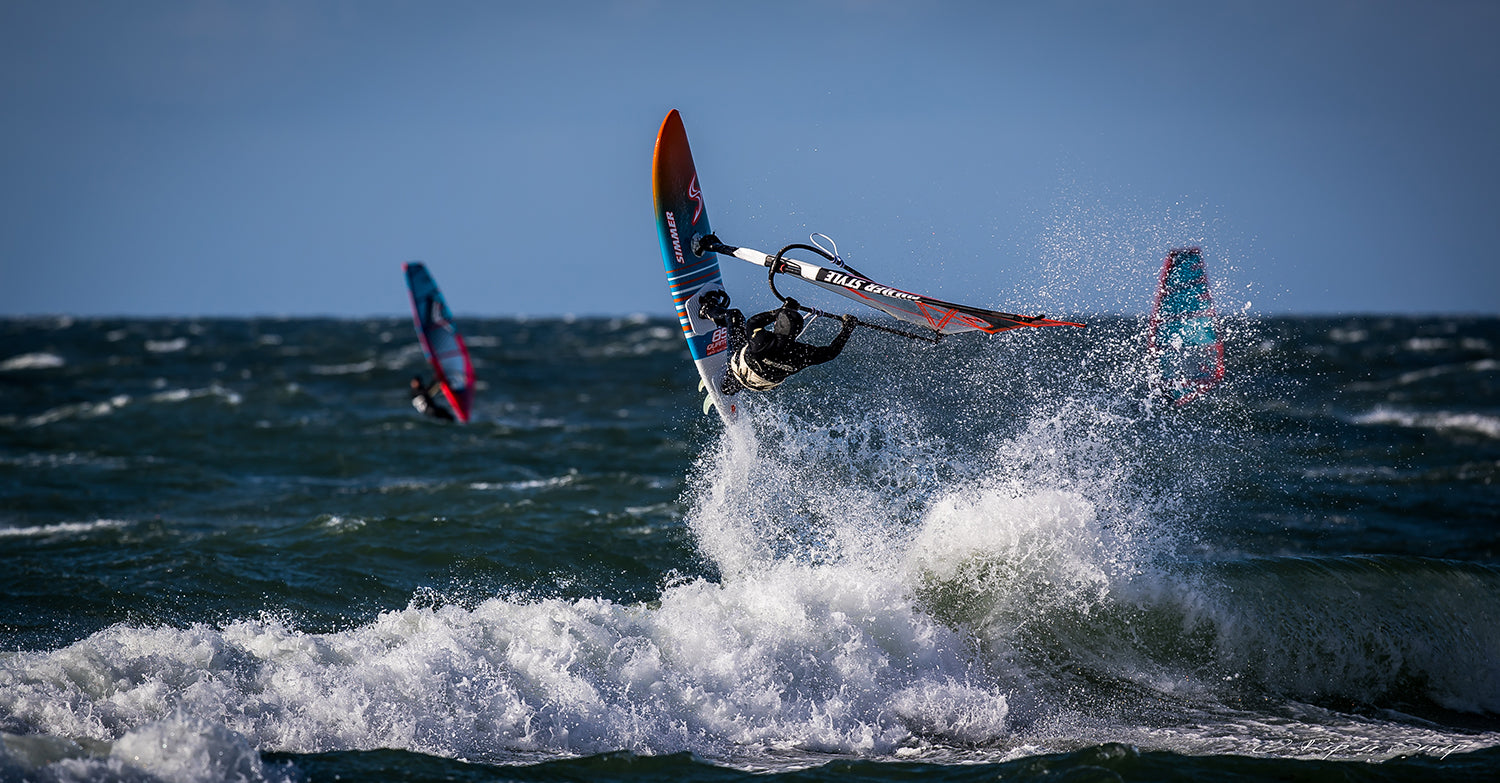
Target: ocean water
x,y
230,550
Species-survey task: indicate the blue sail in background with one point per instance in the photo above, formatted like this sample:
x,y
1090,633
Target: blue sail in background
x,y
1186,342
441,342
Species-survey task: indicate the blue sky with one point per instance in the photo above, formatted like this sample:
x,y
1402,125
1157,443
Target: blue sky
x,y
285,158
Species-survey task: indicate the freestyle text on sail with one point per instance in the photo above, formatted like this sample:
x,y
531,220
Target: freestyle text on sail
x,y
858,284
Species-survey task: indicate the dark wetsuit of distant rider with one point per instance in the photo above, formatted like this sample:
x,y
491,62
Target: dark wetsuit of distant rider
x,y
764,350
422,399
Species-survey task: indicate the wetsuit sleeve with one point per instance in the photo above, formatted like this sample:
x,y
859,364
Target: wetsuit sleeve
x,y
808,355
843,337
759,321
731,319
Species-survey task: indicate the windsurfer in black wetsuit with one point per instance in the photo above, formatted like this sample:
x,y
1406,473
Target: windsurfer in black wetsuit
x,y
764,350
422,399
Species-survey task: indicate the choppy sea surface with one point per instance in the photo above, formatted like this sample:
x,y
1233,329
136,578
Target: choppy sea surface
x,y
231,550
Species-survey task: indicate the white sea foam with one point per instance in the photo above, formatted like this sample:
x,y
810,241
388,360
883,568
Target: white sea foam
x,y
180,395
1428,373
1427,344
173,750
185,750
338,524
167,346
784,655
1348,335
354,368
792,658
1478,423
527,484
88,410
990,540
70,459
61,529
32,361
81,410
816,659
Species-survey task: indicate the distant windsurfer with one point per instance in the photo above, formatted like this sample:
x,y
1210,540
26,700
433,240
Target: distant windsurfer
x,y
764,350
422,398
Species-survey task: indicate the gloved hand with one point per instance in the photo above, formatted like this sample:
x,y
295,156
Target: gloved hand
x,y
849,319
789,304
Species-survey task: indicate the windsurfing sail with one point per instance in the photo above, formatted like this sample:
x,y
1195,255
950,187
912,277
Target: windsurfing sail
x,y
925,311
1186,342
441,342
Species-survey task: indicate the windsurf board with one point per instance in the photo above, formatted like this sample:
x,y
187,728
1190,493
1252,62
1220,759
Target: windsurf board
x,y
691,271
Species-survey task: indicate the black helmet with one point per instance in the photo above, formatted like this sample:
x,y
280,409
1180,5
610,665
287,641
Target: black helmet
x,y
788,322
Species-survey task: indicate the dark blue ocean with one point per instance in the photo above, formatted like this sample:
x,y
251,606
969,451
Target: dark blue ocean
x,y
231,550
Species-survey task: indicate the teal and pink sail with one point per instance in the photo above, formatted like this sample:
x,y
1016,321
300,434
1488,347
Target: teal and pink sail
x,y
441,342
1186,342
